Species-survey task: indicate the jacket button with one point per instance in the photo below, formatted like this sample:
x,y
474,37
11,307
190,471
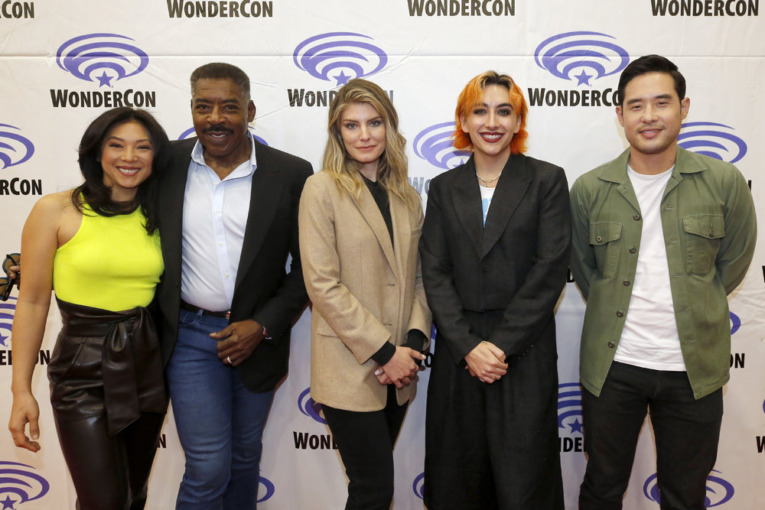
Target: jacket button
x,y
485,267
626,283
620,314
636,217
599,239
611,345
632,249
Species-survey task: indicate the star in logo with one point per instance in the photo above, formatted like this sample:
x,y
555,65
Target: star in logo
x,y
8,503
342,78
104,79
583,78
576,426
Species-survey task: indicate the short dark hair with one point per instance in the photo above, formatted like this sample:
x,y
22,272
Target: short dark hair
x,y
94,192
651,64
221,71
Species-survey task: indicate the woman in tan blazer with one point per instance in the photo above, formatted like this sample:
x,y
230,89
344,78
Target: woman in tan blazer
x,y
360,224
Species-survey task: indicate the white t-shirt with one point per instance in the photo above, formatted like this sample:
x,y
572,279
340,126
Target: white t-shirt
x,y
486,195
650,338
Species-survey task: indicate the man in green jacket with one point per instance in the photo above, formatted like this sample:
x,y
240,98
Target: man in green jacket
x,y
661,236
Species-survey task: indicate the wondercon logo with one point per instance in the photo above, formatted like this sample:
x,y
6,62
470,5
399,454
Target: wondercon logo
x,y
592,55
713,140
265,487
339,56
101,57
310,407
418,486
15,149
434,145
20,484
7,311
191,132
735,322
719,491
570,406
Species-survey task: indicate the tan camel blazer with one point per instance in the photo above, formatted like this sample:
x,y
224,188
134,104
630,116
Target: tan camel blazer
x,y
365,290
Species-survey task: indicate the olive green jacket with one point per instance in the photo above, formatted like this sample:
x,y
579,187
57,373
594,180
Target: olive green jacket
x,y
708,218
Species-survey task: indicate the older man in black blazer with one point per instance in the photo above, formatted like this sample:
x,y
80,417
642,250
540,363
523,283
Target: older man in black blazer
x,y
228,222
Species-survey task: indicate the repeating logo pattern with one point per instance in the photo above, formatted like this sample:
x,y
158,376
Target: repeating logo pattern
x,y
570,406
434,145
713,140
266,488
418,486
101,57
339,56
19,484
719,491
593,55
15,149
7,311
190,132
310,407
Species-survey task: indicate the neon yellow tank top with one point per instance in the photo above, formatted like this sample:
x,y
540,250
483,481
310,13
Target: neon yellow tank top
x,y
110,263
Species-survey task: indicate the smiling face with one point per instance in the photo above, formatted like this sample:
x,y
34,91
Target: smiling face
x,y
652,114
491,124
221,114
126,158
362,129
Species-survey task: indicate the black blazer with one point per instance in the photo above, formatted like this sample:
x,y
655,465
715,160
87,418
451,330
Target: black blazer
x,y
264,291
515,265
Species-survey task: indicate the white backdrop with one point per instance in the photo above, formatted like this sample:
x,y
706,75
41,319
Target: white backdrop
x,y
62,63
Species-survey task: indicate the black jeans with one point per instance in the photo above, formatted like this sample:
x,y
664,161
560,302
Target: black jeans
x,y
365,441
687,432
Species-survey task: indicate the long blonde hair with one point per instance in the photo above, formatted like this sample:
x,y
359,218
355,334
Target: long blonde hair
x,y
392,166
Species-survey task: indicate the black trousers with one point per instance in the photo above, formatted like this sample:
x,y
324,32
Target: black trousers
x,y
686,430
493,446
365,441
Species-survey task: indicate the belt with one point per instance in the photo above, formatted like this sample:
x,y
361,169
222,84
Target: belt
x,y
202,311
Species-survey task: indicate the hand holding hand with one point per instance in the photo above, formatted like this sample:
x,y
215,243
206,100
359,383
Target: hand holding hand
x,y
401,369
486,362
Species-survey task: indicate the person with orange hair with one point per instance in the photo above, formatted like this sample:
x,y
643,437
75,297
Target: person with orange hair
x,y
494,250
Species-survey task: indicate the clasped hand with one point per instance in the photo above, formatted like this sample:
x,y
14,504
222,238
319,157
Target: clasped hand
x,y
401,369
486,362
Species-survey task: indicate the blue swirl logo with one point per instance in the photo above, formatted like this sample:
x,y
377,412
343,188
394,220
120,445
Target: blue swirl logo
x,y
339,56
434,145
713,140
101,57
15,149
310,407
719,491
191,132
735,322
7,311
266,488
592,54
418,486
19,484
570,406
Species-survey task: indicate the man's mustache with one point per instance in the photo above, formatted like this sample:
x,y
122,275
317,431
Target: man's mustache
x,y
220,128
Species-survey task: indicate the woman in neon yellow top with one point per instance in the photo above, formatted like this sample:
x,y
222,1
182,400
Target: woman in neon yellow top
x,y
98,247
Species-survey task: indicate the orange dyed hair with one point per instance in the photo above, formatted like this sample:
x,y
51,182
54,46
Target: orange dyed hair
x,y
472,95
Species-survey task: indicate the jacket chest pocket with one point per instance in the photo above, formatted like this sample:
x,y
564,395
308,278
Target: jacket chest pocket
x,y
703,234
604,239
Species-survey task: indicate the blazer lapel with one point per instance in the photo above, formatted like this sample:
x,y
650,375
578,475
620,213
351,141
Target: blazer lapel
x,y
265,195
467,199
372,215
511,188
172,191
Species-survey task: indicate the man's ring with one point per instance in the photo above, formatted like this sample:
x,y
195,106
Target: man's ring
x,y
228,358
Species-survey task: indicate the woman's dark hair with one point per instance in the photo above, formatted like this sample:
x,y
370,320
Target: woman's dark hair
x,y
94,191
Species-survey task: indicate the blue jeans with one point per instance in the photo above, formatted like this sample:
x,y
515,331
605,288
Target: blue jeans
x,y
219,421
686,430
